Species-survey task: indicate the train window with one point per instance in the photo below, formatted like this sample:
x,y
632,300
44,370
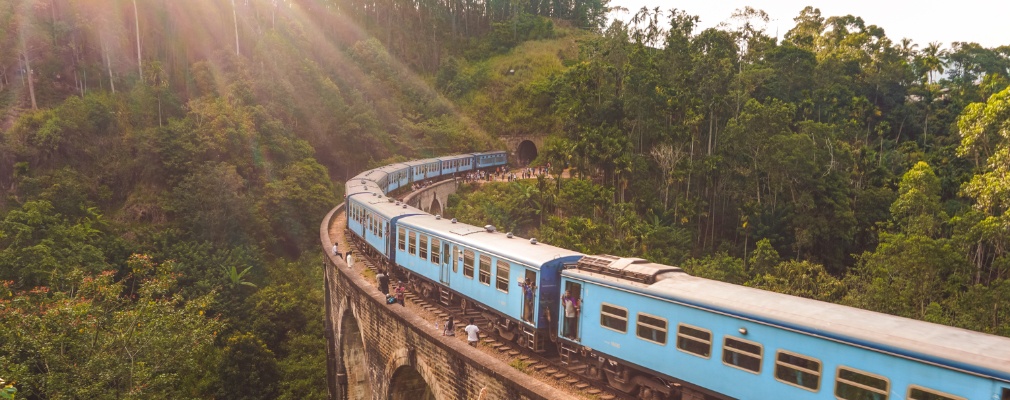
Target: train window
x,y
851,384
468,263
614,317
797,370
742,354
651,328
436,255
1006,394
403,239
424,247
921,393
412,243
694,340
502,280
485,270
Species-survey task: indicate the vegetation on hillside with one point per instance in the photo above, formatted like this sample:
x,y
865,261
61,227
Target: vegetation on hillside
x,y
836,164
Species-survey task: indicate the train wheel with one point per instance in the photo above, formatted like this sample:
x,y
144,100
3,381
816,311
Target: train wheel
x,y
523,340
426,292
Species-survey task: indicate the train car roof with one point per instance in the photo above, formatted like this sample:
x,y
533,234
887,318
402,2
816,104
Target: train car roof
x,y
456,157
354,187
370,175
498,243
976,352
383,207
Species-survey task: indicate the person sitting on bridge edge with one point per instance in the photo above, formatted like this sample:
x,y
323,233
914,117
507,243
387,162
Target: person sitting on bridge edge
x,y
336,250
471,333
383,282
450,327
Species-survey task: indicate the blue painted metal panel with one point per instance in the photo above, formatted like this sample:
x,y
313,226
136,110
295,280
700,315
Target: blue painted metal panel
x,y
712,373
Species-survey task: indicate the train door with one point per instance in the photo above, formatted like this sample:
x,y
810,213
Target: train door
x,y
571,308
529,286
443,276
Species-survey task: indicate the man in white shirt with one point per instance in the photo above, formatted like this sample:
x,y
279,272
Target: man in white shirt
x,y
350,259
471,334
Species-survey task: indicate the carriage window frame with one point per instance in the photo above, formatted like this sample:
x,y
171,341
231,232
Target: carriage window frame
x,y
780,364
639,325
402,239
727,350
468,258
484,270
860,386
436,251
932,392
502,276
606,316
688,337
412,243
423,246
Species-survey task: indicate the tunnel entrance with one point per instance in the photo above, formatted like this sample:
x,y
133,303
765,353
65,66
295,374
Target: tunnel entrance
x,y
408,384
527,152
353,351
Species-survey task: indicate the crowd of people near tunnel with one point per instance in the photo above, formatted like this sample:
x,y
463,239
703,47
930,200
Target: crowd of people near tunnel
x,y
502,174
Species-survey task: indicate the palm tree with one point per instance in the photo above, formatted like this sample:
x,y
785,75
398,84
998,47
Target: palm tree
x,y
931,60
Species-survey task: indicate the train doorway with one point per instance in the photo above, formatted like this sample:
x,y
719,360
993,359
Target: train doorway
x,y
571,303
527,152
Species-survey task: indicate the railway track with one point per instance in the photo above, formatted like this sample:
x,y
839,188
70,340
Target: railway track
x,y
550,370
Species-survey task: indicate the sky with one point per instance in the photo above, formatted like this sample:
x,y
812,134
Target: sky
x,y
986,22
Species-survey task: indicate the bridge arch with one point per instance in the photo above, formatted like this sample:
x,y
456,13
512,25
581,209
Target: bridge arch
x,y
526,152
355,364
436,207
408,384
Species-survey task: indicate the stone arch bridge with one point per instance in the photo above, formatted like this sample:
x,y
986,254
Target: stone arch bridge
x,y
381,352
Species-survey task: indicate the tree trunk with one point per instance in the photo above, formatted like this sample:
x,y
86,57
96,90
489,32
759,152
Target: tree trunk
x,y
136,21
108,65
234,17
28,70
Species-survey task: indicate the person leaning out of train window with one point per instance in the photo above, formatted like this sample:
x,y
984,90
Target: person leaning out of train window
x,y
528,297
572,305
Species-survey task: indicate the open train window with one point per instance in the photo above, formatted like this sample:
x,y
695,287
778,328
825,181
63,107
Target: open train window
x,y
614,317
742,354
651,328
468,263
502,276
412,244
797,370
424,247
403,239
436,255
694,340
851,384
920,393
1006,394
485,270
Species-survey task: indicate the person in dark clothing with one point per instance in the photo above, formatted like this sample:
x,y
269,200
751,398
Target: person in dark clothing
x,y
383,282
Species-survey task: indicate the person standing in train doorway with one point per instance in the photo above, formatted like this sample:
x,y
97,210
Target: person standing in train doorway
x,y
528,297
571,304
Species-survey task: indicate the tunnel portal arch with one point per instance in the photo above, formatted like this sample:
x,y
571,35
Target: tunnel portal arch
x,y
355,365
408,384
527,152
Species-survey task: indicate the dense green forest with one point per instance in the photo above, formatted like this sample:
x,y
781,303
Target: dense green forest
x,y
835,163
164,165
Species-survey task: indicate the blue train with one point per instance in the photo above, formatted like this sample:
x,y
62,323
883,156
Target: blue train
x,y
654,331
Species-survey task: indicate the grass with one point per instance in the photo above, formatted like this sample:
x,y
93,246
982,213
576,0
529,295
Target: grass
x,y
520,365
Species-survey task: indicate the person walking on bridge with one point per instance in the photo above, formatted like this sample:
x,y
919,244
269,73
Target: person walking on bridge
x,y
471,334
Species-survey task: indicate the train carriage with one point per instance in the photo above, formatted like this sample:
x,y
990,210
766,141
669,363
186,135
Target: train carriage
x,y
371,216
454,164
485,268
396,176
696,333
490,159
